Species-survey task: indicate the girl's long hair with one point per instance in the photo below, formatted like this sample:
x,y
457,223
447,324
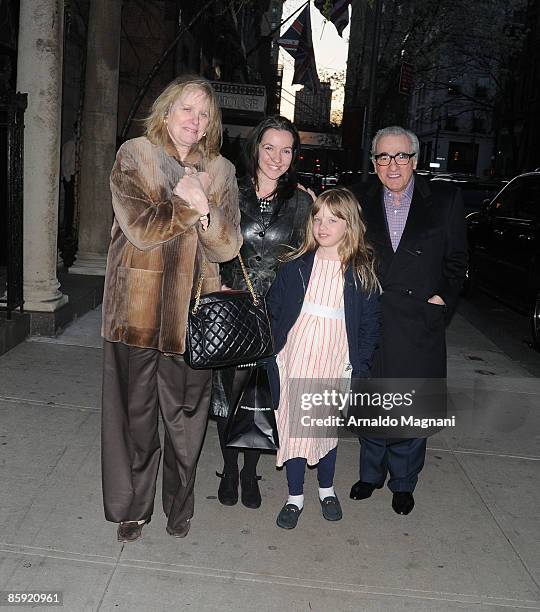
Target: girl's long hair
x,y
353,251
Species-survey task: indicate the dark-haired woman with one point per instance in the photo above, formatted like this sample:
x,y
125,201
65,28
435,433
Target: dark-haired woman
x,y
274,208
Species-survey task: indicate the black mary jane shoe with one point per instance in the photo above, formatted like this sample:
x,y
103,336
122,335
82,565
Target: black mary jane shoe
x,y
251,495
228,489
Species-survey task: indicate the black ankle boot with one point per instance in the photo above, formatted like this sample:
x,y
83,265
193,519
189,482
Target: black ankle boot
x,y
251,496
228,489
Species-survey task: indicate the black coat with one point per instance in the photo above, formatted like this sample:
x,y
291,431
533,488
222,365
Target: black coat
x,y
262,245
285,300
431,259
261,248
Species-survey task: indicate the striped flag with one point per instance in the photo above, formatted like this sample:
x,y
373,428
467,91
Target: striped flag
x,y
336,11
298,43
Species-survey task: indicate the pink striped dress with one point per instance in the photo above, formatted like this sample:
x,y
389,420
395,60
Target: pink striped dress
x,y
316,348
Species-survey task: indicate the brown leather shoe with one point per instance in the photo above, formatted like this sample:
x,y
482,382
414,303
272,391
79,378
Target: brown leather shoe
x,y
181,531
129,531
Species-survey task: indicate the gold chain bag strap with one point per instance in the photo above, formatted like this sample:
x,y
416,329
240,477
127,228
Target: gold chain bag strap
x,y
227,328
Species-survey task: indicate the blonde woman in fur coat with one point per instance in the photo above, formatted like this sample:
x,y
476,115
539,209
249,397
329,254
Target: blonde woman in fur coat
x,y
175,202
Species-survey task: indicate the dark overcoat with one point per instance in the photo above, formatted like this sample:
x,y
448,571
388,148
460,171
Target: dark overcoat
x,y
285,300
431,259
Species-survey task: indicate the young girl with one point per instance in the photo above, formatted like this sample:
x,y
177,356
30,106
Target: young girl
x,y
324,307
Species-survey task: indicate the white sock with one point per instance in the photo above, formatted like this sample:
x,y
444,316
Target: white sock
x,y
297,500
324,493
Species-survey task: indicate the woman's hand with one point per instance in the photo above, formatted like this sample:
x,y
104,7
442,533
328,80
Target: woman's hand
x,y
193,187
308,190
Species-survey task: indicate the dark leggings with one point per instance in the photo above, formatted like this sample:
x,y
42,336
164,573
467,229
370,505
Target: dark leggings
x,y
230,455
296,468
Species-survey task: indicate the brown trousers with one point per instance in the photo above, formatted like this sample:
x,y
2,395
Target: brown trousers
x,y
137,384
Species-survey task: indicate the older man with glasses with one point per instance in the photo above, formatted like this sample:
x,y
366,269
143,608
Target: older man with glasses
x,y
417,229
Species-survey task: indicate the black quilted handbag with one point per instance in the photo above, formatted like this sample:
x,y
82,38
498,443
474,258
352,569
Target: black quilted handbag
x,y
227,328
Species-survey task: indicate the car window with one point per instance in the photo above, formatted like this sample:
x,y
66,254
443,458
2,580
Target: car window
x,y
527,204
475,193
519,200
504,205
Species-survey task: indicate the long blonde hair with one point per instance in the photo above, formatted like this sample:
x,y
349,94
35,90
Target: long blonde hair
x,y
353,251
156,128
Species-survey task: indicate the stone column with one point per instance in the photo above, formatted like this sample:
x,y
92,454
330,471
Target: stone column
x,y
39,73
98,137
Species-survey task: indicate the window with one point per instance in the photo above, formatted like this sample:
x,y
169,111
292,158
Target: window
x,y
504,204
481,89
528,200
480,92
462,157
450,124
520,200
478,125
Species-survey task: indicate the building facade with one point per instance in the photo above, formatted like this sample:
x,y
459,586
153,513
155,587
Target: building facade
x,y
105,64
312,108
517,113
456,136
462,102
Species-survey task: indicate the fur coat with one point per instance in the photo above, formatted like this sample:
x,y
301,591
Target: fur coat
x,y
158,245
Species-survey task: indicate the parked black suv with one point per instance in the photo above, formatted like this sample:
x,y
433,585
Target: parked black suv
x,y
473,189
504,243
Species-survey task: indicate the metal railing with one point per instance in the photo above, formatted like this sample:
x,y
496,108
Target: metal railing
x,y
12,107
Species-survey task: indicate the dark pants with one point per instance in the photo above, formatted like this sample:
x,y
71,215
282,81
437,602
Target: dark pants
x,y
402,459
137,384
296,469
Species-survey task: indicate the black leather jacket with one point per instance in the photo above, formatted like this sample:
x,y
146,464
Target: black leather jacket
x,y
264,244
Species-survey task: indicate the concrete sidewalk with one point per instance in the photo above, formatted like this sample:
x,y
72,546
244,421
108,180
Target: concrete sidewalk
x,y
471,543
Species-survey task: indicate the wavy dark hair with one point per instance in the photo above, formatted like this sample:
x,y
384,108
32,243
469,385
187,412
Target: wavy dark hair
x,y
287,182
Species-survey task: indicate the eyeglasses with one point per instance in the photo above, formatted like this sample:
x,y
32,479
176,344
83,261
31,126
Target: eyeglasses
x,y
401,159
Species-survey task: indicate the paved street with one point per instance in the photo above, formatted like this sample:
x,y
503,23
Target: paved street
x,y
471,543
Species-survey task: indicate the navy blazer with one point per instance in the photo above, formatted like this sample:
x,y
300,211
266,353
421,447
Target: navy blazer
x,y
286,297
